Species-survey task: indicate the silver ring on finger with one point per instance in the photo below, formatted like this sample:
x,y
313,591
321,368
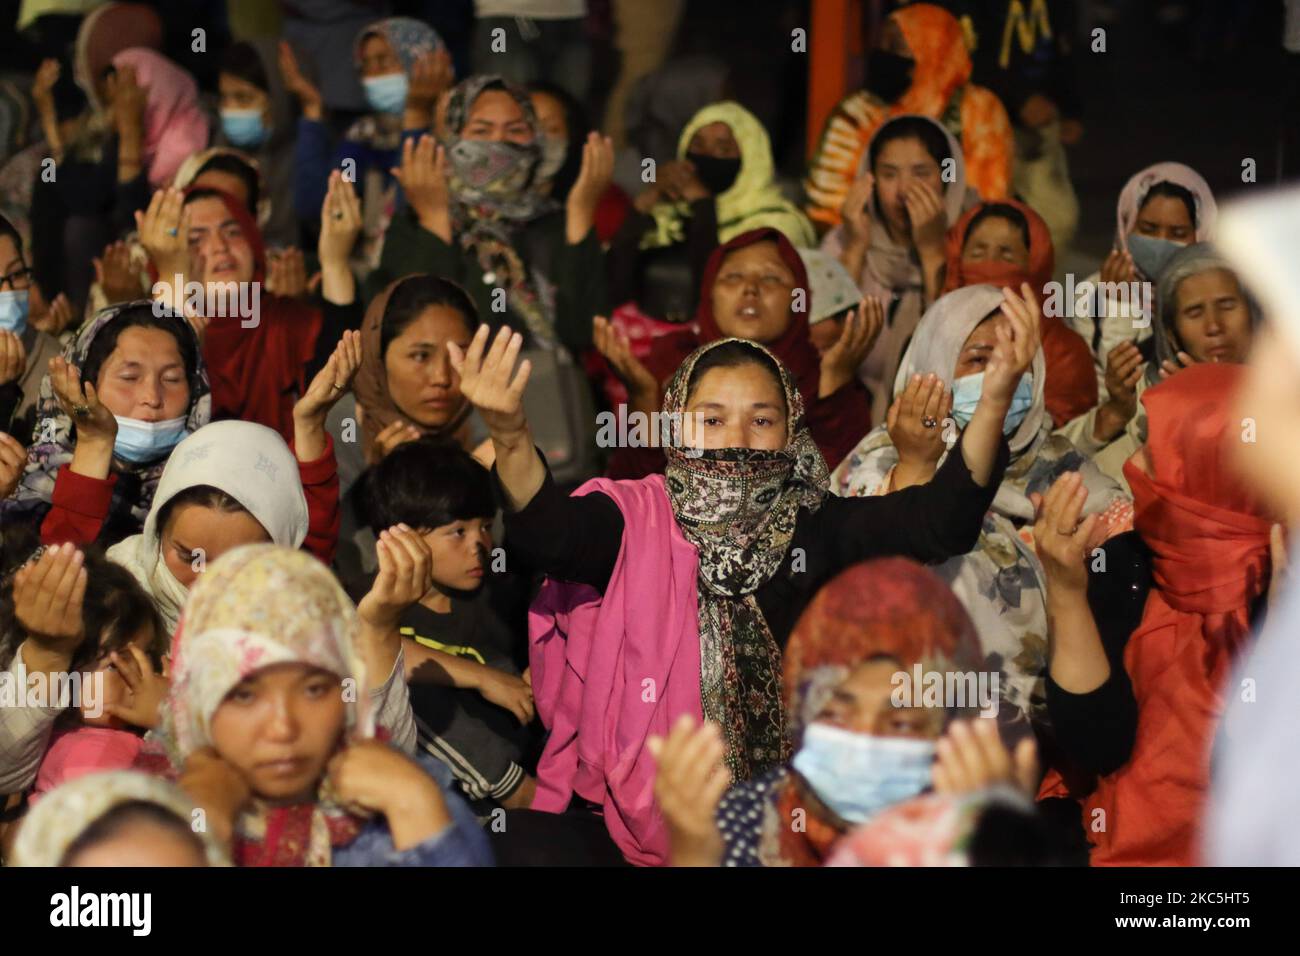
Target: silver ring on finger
x,y
929,421
1067,532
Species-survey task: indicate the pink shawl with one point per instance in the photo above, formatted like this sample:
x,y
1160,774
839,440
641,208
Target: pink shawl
x,y
174,125
610,670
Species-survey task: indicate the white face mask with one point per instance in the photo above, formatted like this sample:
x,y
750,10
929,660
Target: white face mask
x,y
139,441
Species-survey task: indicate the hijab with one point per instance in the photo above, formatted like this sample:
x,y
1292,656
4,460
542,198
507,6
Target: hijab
x,y
1189,261
1000,582
1134,194
257,372
1042,255
175,126
255,607
739,508
55,441
371,385
492,198
1209,538
247,461
52,826
409,38
105,32
752,201
887,607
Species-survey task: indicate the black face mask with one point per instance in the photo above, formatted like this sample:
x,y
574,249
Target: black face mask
x,y
716,174
889,75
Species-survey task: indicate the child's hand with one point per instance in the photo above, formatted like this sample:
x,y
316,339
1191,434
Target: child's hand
x,y
145,686
373,776
506,690
405,576
689,786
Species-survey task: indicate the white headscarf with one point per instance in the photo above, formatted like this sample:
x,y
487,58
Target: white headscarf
x,y
247,461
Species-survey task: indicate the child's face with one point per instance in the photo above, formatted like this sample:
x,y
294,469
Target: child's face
x,y
142,843
115,690
279,727
459,553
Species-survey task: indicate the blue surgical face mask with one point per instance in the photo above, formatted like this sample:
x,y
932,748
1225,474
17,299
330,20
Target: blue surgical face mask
x,y
386,93
966,393
243,127
858,775
140,442
1151,255
14,305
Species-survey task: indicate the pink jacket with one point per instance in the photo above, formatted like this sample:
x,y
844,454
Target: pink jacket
x,y
610,670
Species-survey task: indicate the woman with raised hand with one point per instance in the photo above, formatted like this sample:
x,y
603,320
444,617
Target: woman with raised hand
x,y
475,217
674,594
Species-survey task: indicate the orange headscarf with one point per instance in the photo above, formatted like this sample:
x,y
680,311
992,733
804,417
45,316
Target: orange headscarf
x,y
1071,386
1209,539
943,67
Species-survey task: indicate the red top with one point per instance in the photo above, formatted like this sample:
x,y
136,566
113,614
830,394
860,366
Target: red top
x,y
79,505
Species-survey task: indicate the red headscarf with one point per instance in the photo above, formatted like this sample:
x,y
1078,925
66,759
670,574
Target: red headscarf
x,y
1209,537
1071,386
889,606
257,373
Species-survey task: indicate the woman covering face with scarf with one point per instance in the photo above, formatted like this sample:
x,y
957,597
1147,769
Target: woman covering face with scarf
x,y
674,594
268,633
920,66
475,218
1000,582
1005,244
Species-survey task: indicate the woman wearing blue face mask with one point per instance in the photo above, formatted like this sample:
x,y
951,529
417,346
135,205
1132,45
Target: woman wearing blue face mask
x,y
125,391
25,347
1000,582
862,745
257,117
404,66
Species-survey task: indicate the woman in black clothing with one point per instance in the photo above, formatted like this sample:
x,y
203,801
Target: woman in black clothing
x,y
689,583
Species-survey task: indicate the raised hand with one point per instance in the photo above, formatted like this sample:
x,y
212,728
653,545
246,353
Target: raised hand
x,y
971,756
915,423
431,73
1118,267
688,788
129,100
119,279
594,177
330,384
1061,536
53,317
394,434
423,177
1181,361
929,220
81,403
295,82
13,462
681,182
490,381
13,357
146,688
340,224
854,213
839,365
47,74
164,233
286,273
1018,337
405,576
48,596
612,342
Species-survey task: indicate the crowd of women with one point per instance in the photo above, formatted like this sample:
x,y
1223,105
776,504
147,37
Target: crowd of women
x,y
335,557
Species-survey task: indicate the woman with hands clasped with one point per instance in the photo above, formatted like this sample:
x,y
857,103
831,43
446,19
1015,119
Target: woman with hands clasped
x,y
891,238
1000,582
260,348
271,732
474,217
859,750
674,594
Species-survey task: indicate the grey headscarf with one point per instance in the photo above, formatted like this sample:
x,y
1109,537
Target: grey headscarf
x,y
1186,262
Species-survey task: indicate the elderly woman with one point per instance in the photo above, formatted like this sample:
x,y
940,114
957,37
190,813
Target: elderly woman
x,y
674,594
1000,580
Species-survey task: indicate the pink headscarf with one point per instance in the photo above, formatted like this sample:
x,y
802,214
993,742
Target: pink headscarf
x,y
1136,189
174,126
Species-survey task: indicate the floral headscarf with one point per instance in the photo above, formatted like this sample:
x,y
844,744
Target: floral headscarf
x,y
409,38
738,507
492,196
257,606
69,810
55,442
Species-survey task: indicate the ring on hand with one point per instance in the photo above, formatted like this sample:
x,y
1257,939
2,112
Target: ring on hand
x,y
173,231
338,386
1067,532
81,411
929,421
338,214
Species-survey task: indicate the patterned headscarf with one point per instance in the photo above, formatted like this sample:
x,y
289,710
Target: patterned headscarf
x,y
255,607
409,38
492,197
55,442
69,810
739,506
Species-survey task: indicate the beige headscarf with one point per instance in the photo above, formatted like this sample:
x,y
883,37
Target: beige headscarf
x,y
247,461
